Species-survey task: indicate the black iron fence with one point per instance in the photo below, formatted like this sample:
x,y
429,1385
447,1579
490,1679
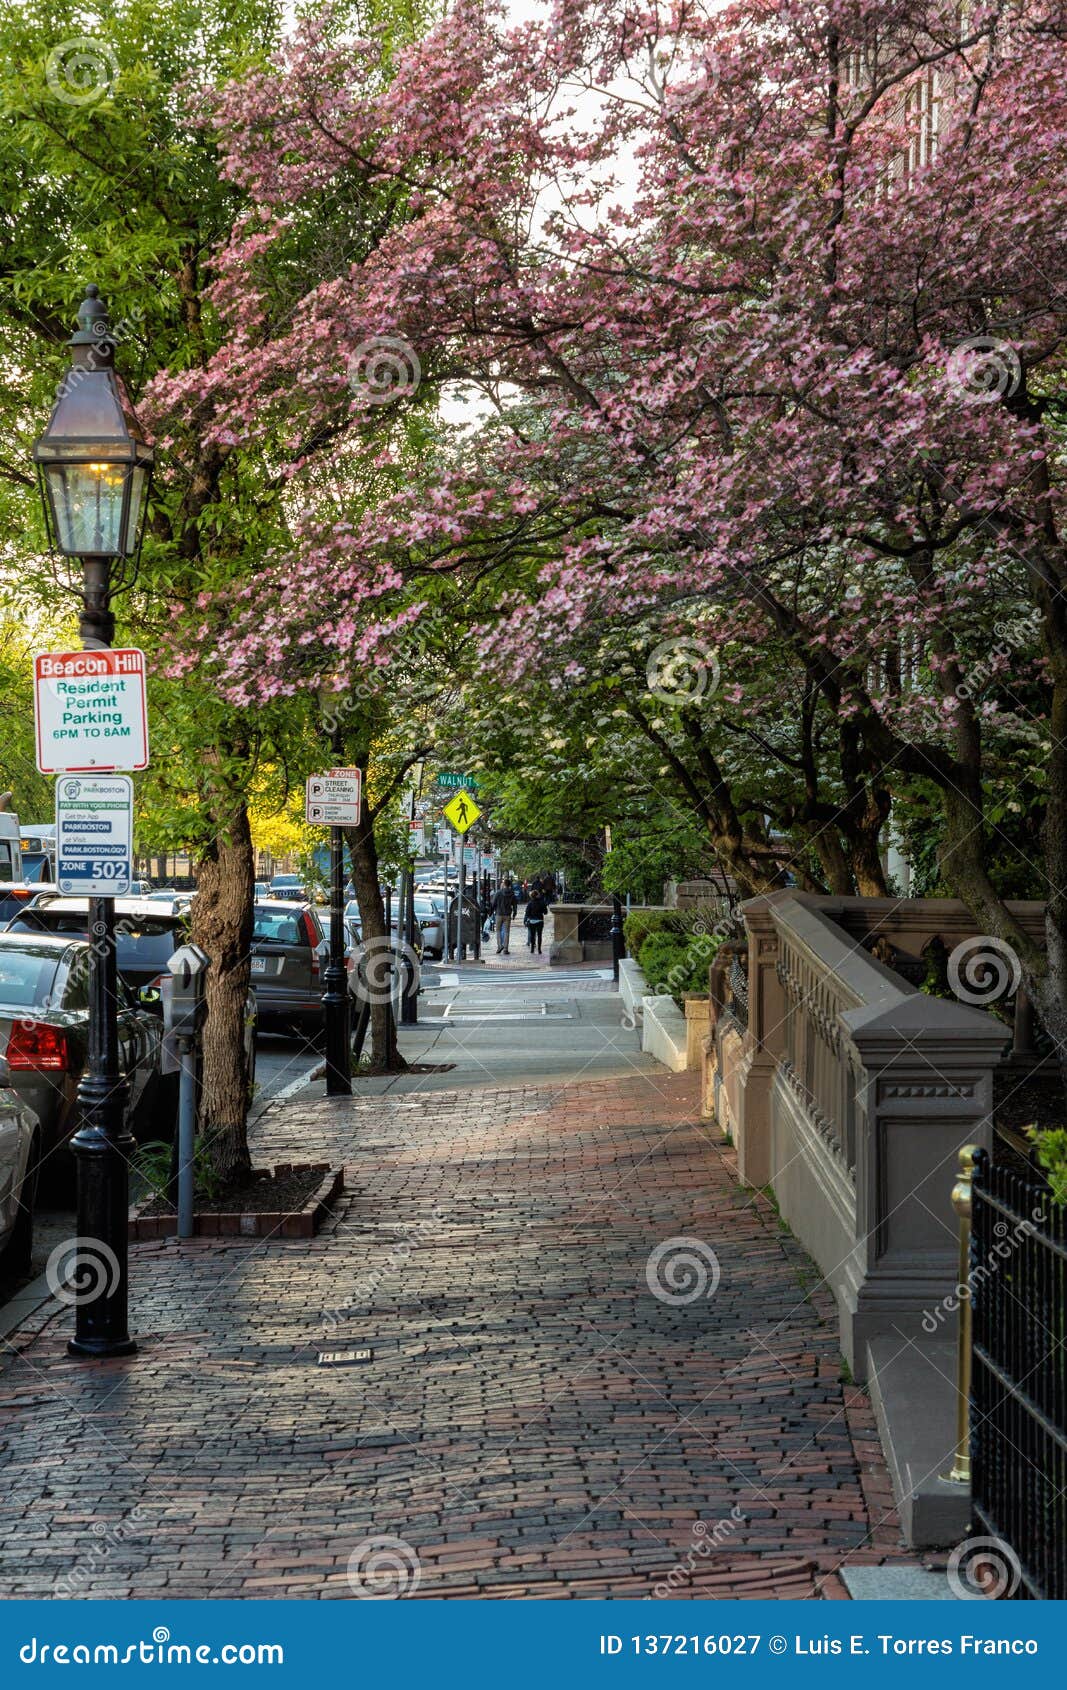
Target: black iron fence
x,y
1019,1374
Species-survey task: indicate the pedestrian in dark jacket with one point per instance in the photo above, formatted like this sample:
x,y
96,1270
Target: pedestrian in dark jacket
x,y
504,911
536,910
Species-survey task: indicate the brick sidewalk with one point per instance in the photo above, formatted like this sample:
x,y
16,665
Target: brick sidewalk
x,y
534,1422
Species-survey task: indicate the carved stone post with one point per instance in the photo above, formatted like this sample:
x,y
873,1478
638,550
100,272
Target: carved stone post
x,y
763,1044
926,1090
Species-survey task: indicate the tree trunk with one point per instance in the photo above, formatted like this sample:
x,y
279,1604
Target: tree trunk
x,y
1050,993
222,926
385,1053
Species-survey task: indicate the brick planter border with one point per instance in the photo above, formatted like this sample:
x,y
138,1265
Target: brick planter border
x,y
300,1223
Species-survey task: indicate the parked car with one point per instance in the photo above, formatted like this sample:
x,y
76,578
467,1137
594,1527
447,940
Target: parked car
x,y
44,1034
14,898
353,921
290,887
20,1160
288,956
175,902
430,915
147,934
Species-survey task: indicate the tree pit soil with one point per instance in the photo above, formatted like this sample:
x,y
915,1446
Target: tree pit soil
x,y
289,1201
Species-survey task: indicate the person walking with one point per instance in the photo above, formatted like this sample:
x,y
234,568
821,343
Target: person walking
x,y
504,907
536,910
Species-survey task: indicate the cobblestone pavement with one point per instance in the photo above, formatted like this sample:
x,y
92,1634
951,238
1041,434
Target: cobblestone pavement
x,y
534,1420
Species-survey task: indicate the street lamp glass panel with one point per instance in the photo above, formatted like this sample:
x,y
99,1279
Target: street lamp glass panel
x,y
87,504
138,485
94,461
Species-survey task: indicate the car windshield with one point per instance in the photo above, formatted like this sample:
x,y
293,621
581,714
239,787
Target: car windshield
x,y
277,927
427,906
141,941
26,978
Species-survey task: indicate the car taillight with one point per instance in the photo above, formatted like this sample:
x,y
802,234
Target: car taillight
x,y
32,1044
312,937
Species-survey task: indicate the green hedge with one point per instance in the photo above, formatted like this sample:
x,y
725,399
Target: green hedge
x,y
640,924
677,962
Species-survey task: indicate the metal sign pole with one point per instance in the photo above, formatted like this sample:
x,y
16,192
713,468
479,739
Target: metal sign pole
x,y
186,1135
335,980
461,949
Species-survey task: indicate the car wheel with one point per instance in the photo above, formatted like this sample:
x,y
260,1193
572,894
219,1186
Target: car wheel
x,y
17,1256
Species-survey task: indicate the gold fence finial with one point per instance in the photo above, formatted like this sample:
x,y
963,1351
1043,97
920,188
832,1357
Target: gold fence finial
x,y
960,1471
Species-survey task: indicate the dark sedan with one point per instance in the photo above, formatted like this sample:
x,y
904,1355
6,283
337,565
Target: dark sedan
x,y
146,936
44,1031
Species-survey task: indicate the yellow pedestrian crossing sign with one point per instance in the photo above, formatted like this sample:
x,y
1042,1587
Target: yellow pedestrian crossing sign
x,y
461,811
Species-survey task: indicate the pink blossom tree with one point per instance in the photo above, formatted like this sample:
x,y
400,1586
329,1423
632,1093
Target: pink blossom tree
x,y
765,307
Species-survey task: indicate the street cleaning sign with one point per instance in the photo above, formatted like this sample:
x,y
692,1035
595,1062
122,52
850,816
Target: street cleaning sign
x,y
94,835
333,799
461,811
89,707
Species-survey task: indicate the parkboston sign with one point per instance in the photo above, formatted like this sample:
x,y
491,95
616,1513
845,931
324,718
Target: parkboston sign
x,y
90,711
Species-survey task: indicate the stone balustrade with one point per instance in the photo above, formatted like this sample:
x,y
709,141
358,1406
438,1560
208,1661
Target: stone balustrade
x,y
849,1092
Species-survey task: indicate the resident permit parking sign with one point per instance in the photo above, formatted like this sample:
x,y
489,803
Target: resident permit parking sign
x,y
90,711
94,835
333,799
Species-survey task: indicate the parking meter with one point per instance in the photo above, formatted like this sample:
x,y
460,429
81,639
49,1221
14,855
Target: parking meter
x,y
183,1011
183,1004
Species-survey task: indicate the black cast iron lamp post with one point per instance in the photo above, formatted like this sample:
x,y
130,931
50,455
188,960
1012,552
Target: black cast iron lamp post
x,y
336,1008
95,466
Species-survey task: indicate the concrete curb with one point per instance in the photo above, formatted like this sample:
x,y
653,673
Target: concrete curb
x,y
26,1303
633,988
663,1033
